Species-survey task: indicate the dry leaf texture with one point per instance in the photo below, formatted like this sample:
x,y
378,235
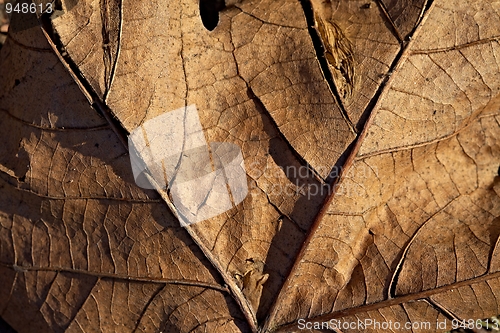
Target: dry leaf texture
x,y
369,134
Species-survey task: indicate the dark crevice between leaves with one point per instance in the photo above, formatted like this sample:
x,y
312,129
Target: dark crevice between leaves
x,y
320,54
5,328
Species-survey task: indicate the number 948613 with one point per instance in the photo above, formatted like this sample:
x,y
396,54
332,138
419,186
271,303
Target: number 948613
x,y
28,8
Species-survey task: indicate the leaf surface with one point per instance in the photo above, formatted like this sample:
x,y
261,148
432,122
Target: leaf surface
x,y
369,133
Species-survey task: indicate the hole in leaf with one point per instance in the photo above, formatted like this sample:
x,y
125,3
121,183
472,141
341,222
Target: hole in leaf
x,y
209,12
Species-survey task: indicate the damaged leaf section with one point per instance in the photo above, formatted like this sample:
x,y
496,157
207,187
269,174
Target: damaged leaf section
x,y
110,32
252,281
339,54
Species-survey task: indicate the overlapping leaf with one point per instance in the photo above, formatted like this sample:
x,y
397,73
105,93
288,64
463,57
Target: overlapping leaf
x,y
399,98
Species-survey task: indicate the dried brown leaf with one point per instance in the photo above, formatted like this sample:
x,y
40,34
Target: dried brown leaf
x,y
369,133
